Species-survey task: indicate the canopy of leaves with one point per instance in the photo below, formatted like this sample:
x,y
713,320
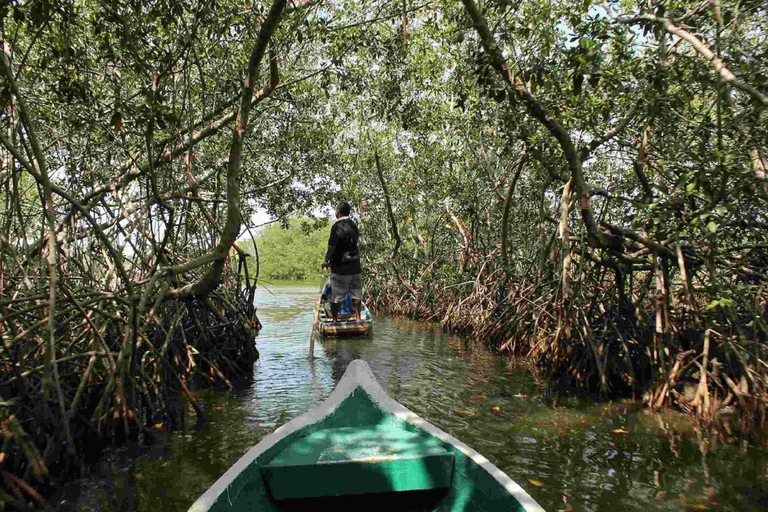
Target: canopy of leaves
x,y
589,176
295,251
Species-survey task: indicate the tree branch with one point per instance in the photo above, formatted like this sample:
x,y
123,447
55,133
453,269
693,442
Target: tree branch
x,y
611,133
717,64
210,281
390,213
541,113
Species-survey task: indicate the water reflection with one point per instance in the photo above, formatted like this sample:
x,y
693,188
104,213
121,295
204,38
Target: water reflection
x,y
574,456
578,455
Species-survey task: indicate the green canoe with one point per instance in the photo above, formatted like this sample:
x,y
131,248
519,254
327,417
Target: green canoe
x,y
359,449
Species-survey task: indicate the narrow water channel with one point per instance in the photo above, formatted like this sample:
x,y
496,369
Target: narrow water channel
x,y
568,453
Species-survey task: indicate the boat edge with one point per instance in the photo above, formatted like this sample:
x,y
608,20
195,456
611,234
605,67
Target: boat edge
x,y
369,383
359,374
348,383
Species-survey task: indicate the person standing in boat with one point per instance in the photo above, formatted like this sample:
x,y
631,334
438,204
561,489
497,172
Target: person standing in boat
x,y
343,258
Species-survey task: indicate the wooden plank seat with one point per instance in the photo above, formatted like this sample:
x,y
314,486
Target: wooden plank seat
x,y
359,460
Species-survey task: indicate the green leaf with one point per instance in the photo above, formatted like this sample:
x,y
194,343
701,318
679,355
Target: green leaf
x,y
721,302
691,187
712,226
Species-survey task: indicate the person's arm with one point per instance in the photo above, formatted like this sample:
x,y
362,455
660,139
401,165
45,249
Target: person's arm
x,y
328,255
331,247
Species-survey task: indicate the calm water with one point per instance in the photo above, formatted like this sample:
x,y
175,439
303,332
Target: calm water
x,y
567,453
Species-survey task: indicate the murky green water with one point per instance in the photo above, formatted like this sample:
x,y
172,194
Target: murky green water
x,y
568,454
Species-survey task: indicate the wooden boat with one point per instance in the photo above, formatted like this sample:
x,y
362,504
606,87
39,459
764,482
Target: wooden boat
x,y
347,324
359,449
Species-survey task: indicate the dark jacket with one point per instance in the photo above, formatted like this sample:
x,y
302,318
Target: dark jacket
x,y
343,254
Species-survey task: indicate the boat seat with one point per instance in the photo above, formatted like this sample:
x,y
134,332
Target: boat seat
x,y
359,460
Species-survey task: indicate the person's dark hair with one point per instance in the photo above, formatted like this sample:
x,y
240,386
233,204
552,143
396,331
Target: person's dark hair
x,y
344,208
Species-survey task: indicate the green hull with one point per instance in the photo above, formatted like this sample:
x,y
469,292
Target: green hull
x,y
360,449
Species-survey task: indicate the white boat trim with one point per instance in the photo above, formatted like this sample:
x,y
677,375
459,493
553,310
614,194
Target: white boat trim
x,y
358,374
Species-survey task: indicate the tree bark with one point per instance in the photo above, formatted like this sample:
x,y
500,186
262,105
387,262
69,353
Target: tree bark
x,y
505,218
390,213
212,278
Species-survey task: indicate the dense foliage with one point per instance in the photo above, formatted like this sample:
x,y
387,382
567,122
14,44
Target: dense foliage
x,y
583,182
292,251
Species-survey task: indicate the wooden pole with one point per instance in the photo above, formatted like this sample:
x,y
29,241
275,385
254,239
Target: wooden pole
x,y
314,330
